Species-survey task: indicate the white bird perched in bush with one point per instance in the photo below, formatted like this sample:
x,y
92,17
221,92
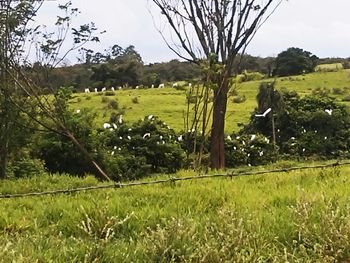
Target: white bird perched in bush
x,y
115,126
106,125
264,114
329,111
253,137
180,138
129,137
120,120
150,117
229,137
146,135
78,111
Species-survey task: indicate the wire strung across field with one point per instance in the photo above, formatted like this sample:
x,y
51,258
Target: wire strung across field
x,y
170,180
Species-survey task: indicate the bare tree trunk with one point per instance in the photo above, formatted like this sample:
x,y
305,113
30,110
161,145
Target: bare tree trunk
x,y
204,123
217,151
273,129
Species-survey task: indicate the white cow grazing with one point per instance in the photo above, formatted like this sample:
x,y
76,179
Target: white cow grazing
x,y
174,84
112,88
161,85
137,87
152,86
119,88
95,90
104,89
87,91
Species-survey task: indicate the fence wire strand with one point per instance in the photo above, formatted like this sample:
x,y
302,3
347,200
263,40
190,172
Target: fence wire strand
x,y
170,180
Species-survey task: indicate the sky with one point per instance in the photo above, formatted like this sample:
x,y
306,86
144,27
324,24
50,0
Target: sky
x,y
319,26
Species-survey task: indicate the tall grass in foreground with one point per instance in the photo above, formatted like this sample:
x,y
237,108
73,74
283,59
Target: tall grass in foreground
x,y
286,217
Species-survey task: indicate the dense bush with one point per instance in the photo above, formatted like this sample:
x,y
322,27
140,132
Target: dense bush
x,y
249,76
294,61
253,149
25,166
308,126
58,152
148,146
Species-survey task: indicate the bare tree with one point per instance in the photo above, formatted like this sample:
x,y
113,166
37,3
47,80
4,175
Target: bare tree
x,y
215,31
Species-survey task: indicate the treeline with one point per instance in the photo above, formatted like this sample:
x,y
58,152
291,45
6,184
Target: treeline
x,y
124,67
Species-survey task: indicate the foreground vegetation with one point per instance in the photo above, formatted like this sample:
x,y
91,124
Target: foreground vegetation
x,y
295,217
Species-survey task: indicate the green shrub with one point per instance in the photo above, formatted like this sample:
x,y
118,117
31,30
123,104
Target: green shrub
x,y
253,149
322,92
346,98
135,100
26,166
239,99
338,91
148,146
249,76
109,93
105,99
309,126
113,104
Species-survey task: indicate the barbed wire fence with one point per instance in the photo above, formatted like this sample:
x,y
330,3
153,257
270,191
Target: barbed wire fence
x,y
171,180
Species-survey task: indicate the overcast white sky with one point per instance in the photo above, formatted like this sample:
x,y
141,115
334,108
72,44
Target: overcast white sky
x,y
319,26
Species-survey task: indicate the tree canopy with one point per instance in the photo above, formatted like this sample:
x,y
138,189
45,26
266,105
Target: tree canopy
x,y
294,61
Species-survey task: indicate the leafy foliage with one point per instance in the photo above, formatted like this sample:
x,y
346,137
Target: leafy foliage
x,y
148,146
294,61
253,149
308,126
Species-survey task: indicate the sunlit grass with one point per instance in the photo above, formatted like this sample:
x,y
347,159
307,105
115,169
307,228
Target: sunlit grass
x,y
294,216
170,104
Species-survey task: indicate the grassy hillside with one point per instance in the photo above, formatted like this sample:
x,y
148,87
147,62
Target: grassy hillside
x,y
291,217
170,104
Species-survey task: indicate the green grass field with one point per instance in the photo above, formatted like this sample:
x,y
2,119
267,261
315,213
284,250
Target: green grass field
x,y
301,216
329,67
170,104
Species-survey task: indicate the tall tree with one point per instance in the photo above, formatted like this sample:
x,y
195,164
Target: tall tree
x,y
215,31
294,61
